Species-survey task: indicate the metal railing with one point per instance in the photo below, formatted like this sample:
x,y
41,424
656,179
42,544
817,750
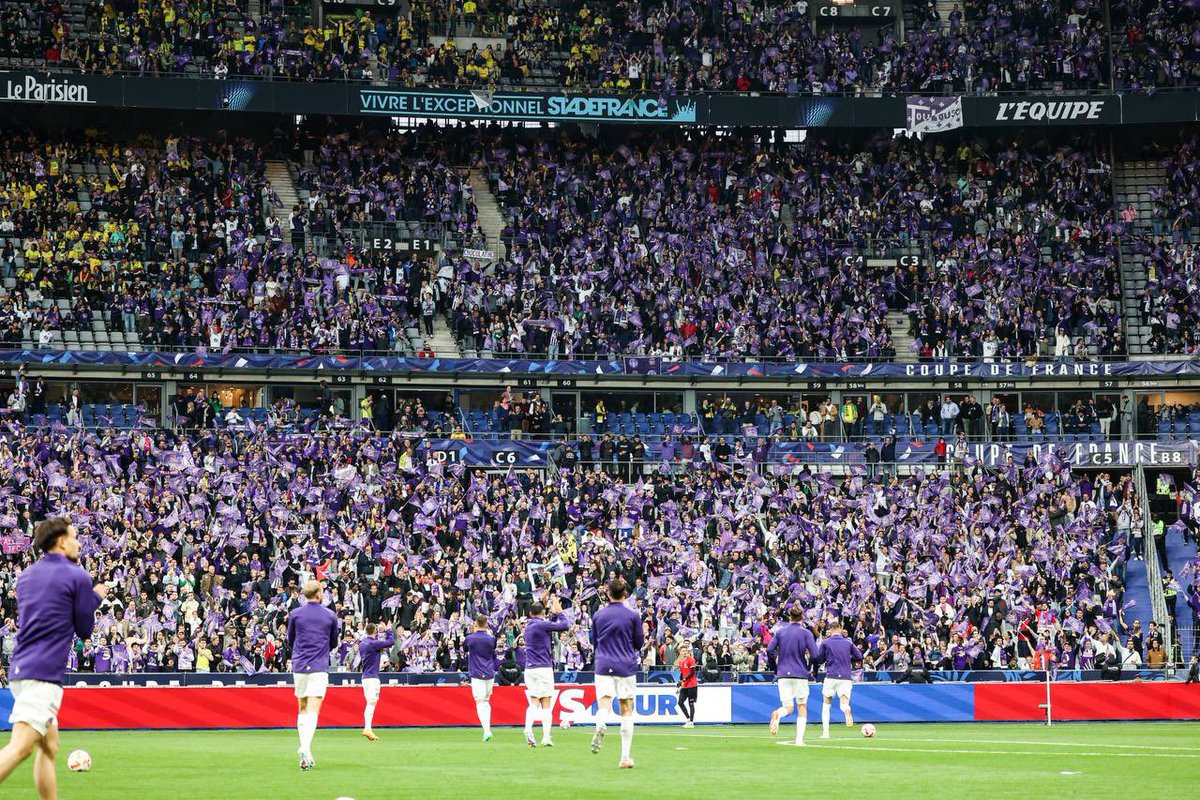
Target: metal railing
x,y
869,92
1158,602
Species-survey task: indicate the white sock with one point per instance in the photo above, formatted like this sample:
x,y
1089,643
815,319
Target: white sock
x,y
801,721
626,737
368,715
301,722
601,716
849,716
825,719
530,715
484,710
547,718
307,731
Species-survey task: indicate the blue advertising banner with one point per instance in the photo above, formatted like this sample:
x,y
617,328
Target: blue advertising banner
x,y
829,371
873,702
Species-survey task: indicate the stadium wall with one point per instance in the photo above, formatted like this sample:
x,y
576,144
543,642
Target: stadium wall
x,y
433,706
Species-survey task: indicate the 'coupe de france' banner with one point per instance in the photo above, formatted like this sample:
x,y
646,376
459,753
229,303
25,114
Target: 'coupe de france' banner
x,y
933,114
920,451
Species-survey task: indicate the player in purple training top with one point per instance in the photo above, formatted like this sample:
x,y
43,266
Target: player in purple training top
x,y
838,654
370,651
481,665
539,668
795,651
618,636
312,633
56,602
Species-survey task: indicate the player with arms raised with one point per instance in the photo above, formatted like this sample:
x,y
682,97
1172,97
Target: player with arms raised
x,y
618,636
312,632
370,650
795,650
481,665
838,654
539,668
55,603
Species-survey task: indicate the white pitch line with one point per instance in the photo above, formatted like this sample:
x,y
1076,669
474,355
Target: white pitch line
x,y
957,751
1049,743
864,746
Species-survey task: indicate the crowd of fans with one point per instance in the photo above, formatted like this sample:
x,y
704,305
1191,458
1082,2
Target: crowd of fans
x,y
204,537
721,246
181,242
661,242
662,46
1169,306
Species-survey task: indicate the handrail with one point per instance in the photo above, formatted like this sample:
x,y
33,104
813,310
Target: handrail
x,y
1158,601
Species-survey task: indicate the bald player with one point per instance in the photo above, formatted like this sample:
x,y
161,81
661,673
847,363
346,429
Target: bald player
x,y
312,633
481,665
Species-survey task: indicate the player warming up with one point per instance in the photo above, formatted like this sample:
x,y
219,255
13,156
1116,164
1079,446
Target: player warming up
x,y
795,650
55,603
539,673
689,683
369,651
838,654
312,632
617,635
481,665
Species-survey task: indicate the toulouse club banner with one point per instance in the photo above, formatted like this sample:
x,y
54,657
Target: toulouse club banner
x,y
933,114
164,364
197,708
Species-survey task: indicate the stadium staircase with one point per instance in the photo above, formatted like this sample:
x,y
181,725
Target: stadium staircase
x,y
944,8
1179,554
1138,572
1149,571
491,219
898,322
442,341
279,173
1132,182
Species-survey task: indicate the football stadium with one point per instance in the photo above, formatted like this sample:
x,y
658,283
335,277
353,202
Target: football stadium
x,y
599,398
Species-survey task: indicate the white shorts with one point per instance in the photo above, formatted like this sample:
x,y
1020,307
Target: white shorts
x,y
481,689
793,689
836,686
371,689
622,688
539,682
311,684
36,703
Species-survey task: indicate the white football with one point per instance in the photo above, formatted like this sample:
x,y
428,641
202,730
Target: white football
x,y
79,761
564,723
868,730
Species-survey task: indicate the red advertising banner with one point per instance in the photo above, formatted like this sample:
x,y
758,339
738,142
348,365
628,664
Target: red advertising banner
x,y
275,707
1014,702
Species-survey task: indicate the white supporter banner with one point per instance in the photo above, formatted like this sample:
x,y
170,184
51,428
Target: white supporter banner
x,y
481,255
932,114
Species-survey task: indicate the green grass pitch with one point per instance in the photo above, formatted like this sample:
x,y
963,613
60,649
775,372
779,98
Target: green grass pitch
x,y
732,762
